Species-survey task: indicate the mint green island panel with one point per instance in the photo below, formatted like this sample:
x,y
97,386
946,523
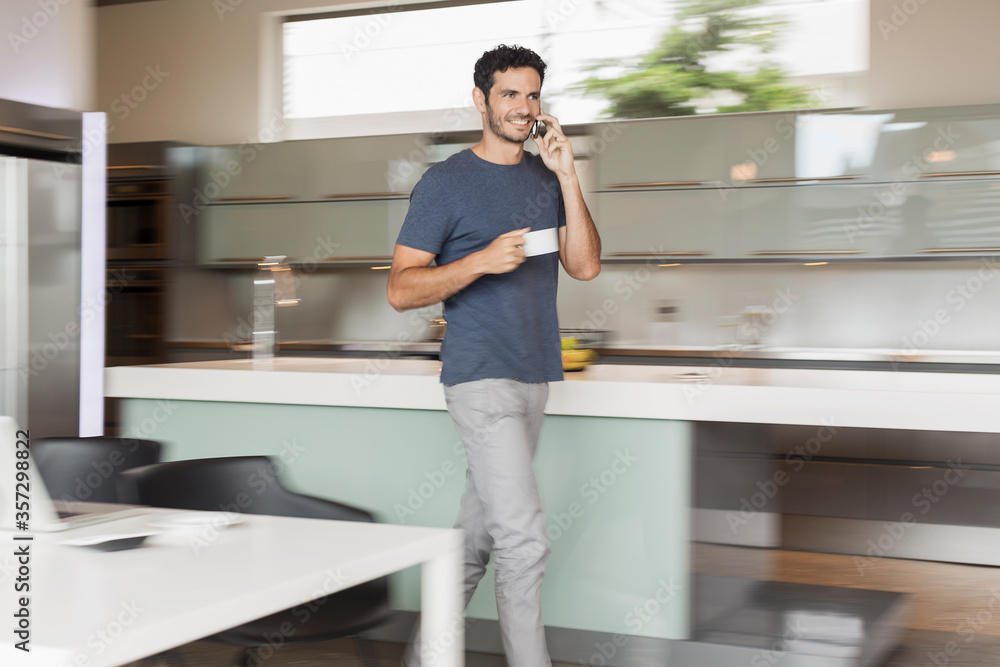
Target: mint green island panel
x,y
616,493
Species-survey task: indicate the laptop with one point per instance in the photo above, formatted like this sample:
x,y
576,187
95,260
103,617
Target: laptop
x,y
44,514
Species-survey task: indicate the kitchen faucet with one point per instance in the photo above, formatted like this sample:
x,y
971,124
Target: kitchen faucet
x,y
273,285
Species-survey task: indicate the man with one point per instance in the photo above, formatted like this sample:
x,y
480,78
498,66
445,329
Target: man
x,y
469,215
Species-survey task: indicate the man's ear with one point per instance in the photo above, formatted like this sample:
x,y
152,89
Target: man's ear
x,y
479,99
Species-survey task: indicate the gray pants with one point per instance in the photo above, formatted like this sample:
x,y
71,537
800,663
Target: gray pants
x,y
501,512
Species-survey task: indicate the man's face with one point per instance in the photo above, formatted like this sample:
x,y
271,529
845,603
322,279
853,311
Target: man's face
x,y
513,103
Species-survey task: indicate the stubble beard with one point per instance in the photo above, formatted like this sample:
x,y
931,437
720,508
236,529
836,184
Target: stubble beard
x,y
497,127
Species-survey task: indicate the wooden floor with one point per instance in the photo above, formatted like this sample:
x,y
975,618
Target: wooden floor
x,y
955,620
340,653
955,617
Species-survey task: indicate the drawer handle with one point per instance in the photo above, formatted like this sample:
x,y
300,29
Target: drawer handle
x,y
946,174
651,253
808,252
930,250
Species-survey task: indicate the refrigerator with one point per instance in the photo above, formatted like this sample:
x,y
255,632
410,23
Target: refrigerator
x,y
52,294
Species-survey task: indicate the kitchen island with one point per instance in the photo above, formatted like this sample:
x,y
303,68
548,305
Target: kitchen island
x,y
715,391
614,461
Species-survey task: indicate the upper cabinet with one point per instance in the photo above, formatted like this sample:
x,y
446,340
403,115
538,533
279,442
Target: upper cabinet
x,y
758,147
328,201
365,165
935,143
948,217
683,224
843,184
672,152
252,172
812,221
317,170
736,187
305,232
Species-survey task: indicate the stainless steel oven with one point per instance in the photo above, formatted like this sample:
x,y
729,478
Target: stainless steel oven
x,y
136,305
138,218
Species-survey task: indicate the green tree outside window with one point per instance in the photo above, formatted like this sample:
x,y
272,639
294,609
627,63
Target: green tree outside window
x,y
673,78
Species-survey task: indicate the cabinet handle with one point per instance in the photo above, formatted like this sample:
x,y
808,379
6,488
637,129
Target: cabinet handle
x,y
805,179
808,252
135,166
946,174
380,258
254,198
371,195
657,184
960,250
325,259
33,133
650,253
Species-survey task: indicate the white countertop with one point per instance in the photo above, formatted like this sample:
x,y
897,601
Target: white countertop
x,y
876,399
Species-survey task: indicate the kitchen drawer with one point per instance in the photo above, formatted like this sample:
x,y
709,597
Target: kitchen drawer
x,y
939,494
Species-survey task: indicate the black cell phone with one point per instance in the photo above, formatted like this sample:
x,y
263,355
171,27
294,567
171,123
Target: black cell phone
x,y
537,129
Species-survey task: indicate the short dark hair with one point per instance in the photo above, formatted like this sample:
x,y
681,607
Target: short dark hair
x,y
501,59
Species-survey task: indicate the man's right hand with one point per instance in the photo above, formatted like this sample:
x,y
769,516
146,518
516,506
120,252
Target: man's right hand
x,y
505,253
414,283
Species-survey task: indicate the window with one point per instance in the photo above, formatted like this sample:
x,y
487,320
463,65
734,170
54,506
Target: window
x,y
408,68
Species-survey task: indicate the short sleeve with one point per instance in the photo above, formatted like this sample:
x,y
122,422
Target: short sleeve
x,y
427,221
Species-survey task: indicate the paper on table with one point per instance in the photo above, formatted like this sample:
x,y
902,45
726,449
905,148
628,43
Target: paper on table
x,y
541,242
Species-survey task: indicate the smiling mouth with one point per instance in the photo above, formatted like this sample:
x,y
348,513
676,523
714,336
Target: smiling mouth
x,y
525,123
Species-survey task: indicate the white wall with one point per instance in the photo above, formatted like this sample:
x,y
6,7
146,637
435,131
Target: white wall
x,y
934,52
208,59
942,52
48,53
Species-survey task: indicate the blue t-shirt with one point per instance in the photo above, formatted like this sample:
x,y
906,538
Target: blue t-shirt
x,y
500,325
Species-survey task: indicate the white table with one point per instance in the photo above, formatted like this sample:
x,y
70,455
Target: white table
x,y
96,609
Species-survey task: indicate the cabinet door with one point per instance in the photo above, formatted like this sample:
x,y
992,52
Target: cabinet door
x,y
678,223
939,143
305,232
363,165
759,147
960,216
254,171
353,166
672,150
806,220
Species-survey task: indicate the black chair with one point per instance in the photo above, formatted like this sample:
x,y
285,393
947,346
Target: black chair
x,y
88,469
216,484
